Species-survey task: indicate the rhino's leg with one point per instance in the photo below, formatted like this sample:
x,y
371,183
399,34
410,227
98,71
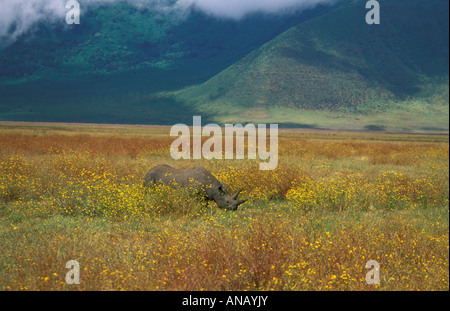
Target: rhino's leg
x,y
205,201
149,184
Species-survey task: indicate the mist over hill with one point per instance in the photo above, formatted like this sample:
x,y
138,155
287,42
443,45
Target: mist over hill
x,y
314,64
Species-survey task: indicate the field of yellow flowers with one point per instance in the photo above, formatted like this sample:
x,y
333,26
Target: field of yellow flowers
x,y
336,201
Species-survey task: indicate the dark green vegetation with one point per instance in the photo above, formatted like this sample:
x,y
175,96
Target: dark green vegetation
x,y
336,64
330,70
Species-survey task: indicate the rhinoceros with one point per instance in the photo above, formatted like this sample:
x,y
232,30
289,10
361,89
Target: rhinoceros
x,y
196,178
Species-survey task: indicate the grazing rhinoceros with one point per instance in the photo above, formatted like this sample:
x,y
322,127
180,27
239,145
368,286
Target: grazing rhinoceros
x,y
197,178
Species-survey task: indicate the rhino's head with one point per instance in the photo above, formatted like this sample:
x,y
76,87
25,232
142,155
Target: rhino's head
x,y
226,201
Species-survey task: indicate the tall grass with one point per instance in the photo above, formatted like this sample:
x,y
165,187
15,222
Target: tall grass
x,y
311,224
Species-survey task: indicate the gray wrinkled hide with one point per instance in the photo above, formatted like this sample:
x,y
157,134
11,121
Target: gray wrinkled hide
x,y
196,178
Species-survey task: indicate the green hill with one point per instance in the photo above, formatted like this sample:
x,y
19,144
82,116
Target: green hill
x,y
337,71
109,68
320,68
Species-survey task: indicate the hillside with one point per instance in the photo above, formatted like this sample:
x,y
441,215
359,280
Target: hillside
x,y
109,68
335,70
319,68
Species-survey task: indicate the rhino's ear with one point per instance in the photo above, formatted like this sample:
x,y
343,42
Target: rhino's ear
x,y
221,191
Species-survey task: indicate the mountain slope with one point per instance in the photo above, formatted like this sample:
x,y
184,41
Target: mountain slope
x,y
341,69
119,37
321,68
109,68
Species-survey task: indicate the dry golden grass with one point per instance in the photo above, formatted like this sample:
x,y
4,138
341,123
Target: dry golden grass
x,y
336,201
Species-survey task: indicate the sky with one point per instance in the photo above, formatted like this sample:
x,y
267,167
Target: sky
x,y
18,16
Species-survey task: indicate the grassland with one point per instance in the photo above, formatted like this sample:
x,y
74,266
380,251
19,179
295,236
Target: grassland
x,y
336,201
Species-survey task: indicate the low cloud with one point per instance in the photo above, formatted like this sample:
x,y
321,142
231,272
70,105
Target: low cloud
x,y
237,9
19,16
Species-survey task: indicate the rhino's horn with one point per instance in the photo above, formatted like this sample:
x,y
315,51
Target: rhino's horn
x,y
241,202
236,194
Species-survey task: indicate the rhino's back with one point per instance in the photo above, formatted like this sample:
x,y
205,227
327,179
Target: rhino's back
x,y
194,175
200,178
198,173
160,173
